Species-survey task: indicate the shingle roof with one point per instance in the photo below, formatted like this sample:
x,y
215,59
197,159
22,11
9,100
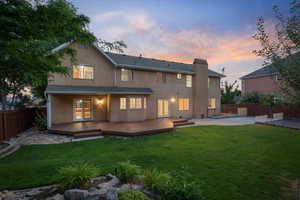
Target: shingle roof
x,y
265,71
64,89
136,62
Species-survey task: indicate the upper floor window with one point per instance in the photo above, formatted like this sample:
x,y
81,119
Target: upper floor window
x,y
122,103
188,80
126,75
135,103
278,77
179,76
83,72
161,77
183,104
212,103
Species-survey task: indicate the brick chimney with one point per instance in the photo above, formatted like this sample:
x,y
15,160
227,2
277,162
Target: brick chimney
x,y
200,88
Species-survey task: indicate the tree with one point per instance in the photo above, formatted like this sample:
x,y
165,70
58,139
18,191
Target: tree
x,y
115,46
282,49
230,93
29,31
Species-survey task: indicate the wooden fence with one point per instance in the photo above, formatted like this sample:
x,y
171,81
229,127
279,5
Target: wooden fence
x,y
258,109
13,122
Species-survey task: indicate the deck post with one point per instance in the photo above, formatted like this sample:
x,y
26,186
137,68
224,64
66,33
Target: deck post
x,y
49,111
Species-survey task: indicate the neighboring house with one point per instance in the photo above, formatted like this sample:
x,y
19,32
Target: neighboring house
x,y
118,87
264,81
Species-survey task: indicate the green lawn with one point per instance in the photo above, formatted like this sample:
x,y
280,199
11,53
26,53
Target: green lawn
x,y
237,162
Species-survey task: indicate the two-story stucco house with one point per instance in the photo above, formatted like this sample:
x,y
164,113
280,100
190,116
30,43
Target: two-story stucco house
x,y
122,88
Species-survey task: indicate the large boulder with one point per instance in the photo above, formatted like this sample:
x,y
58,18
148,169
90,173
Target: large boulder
x,y
76,194
112,194
111,183
56,197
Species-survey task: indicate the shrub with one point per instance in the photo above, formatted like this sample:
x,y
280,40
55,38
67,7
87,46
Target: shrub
x,y
40,121
76,175
127,171
132,195
251,97
182,186
155,180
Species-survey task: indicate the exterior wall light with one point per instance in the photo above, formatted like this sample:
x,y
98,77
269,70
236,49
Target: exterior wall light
x,y
101,101
173,99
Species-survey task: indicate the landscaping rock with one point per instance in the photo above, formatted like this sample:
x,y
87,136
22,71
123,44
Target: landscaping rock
x,y
111,183
76,194
112,194
56,197
130,187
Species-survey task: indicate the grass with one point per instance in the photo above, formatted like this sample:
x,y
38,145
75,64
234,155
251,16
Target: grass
x,y
232,162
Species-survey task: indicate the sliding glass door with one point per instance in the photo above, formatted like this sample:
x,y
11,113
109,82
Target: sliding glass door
x,y
82,109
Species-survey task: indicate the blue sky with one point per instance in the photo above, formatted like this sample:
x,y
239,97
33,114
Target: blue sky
x,y
181,30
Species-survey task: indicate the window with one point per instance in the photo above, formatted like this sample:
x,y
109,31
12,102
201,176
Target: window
x,y
122,103
278,77
161,77
208,82
164,77
145,102
126,75
188,81
211,103
183,104
83,72
179,76
135,103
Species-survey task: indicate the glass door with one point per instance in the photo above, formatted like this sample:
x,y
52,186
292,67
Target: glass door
x,y
82,109
162,108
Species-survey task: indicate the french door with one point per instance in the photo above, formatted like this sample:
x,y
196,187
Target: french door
x,y
162,108
82,109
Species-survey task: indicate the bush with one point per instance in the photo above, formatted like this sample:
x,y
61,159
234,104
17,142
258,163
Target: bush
x,y
182,186
132,195
76,175
251,97
155,180
40,121
127,171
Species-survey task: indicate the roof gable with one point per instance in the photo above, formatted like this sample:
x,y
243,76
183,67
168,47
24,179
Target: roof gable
x,y
264,71
142,63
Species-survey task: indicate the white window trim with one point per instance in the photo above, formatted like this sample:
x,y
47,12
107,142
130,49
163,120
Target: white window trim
x,y
189,81
92,110
129,74
179,76
125,103
133,103
185,107
83,65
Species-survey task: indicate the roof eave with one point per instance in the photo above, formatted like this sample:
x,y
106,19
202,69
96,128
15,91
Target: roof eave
x,y
154,69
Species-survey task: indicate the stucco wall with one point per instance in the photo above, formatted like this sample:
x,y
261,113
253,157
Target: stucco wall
x,y
263,85
107,75
117,115
103,69
214,91
172,88
62,107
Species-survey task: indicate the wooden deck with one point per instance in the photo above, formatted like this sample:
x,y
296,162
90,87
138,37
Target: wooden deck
x,y
127,129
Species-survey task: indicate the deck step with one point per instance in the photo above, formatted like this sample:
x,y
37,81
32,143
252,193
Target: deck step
x,y
87,134
183,123
179,120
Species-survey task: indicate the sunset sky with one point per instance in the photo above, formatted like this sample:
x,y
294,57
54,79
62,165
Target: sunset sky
x,y
217,30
